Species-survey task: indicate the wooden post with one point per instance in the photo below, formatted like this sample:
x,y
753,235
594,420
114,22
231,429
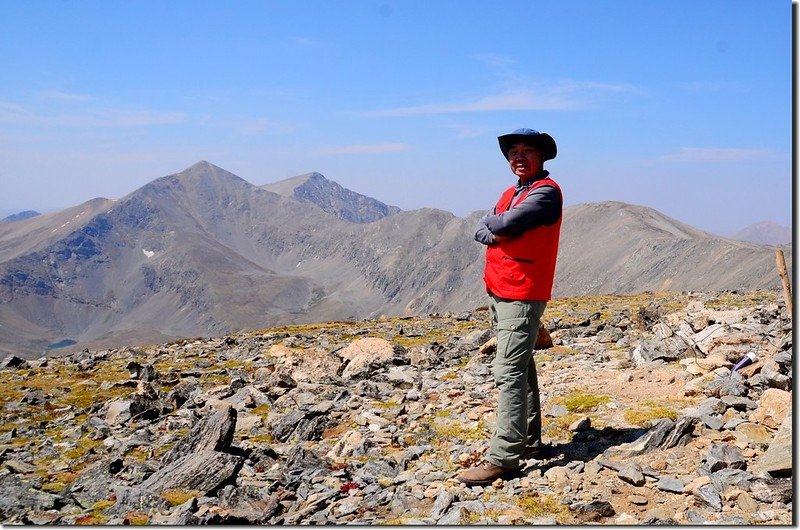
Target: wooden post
x,y
787,288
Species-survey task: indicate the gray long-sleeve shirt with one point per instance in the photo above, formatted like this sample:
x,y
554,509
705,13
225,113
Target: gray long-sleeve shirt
x,y
542,206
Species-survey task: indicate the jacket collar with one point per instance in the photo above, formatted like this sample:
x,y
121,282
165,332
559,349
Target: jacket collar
x,y
542,175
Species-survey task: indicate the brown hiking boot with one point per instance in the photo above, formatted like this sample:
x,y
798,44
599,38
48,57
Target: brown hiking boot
x,y
484,474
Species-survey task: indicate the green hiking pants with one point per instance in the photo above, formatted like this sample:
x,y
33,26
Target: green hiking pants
x,y
519,418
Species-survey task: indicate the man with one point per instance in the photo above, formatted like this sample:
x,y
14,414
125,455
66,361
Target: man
x,y
521,236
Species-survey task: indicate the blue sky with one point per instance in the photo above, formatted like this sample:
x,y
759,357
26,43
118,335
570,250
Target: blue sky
x,y
684,106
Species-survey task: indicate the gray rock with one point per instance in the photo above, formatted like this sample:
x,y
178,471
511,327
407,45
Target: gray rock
x,y
453,517
733,520
201,471
784,361
695,517
136,499
632,474
181,515
478,337
556,411
775,379
182,392
680,434
117,412
733,423
140,372
403,503
18,466
732,478
726,386
709,495
593,510
658,348
710,406
673,485
385,438
778,458
402,376
721,456
34,397
213,433
348,506
712,421
739,403
314,503
94,484
19,497
283,426
772,490
581,424
653,438
609,335
308,428
442,503
13,362
280,381
374,469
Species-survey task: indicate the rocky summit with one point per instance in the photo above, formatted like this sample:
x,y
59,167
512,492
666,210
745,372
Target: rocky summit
x,y
367,422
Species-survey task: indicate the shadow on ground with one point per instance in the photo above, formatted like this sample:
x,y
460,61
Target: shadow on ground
x,y
584,446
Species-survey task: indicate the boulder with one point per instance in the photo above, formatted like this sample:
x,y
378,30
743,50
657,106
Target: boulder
x,y
213,433
774,406
363,356
777,460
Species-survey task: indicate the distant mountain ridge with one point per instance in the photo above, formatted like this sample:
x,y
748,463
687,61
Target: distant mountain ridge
x,y
765,233
21,216
332,198
204,252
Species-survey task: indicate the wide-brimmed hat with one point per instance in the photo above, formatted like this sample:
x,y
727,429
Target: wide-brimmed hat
x,y
542,141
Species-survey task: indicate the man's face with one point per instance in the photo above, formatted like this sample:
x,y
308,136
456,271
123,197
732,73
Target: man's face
x,y
525,161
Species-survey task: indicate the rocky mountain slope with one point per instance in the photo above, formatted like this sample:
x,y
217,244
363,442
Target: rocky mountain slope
x,y
368,422
343,203
204,252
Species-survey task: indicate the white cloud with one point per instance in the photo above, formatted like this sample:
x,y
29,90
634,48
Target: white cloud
x,y
363,149
563,95
519,100
17,115
499,63
57,95
255,126
719,154
134,118
712,87
11,111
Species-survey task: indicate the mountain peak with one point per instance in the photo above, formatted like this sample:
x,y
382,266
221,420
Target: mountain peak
x,y
765,233
317,177
203,166
204,170
332,197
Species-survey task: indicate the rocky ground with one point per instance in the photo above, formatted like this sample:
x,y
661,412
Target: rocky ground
x,y
368,422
